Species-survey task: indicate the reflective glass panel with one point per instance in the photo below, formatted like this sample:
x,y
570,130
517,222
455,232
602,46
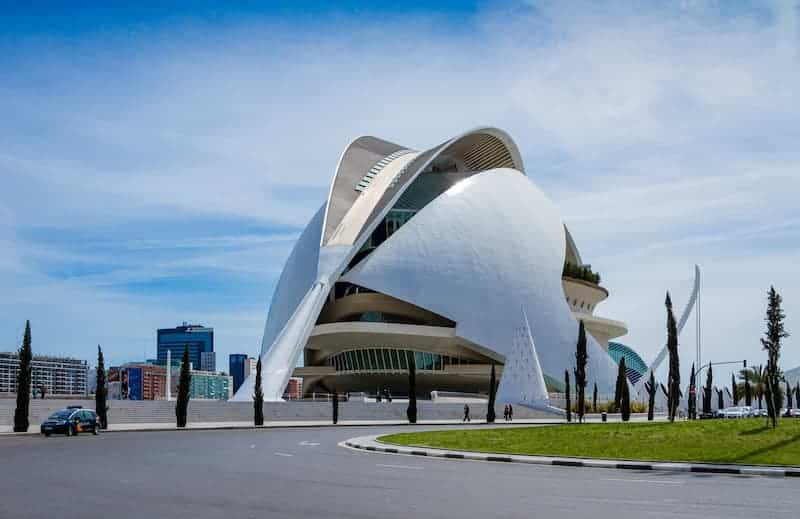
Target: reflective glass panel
x,y
437,362
387,359
395,359
428,362
381,365
373,361
419,360
403,354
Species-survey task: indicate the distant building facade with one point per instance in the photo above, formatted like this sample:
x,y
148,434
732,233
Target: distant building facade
x,y
59,375
198,339
236,362
294,389
139,381
208,361
207,386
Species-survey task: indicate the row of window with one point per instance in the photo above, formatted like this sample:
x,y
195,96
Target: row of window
x,y
388,359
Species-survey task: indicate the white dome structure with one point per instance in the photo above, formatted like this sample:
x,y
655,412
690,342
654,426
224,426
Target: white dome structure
x,y
437,258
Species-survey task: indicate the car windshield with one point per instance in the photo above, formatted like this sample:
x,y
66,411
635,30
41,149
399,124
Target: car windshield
x,y
60,415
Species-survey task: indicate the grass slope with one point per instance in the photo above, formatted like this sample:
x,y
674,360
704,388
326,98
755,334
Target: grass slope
x,y
746,441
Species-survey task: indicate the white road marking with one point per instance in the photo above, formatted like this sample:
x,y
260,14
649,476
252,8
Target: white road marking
x,y
305,443
398,466
253,446
659,482
283,454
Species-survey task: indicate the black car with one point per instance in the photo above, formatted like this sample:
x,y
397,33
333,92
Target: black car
x,y
71,421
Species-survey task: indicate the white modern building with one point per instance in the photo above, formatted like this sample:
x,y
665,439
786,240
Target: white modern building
x,y
437,257
61,376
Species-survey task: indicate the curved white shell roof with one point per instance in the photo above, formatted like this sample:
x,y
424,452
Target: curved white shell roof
x,y
488,246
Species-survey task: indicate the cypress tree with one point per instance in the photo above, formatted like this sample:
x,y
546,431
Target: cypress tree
x,y
581,357
335,407
797,394
24,382
650,386
101,392
184,385
748,394
707,398
626,402
771,342
567,396
720,399
621,383
788,395
258,397
492,394
594,399
692,403
411,412
674,381
734,390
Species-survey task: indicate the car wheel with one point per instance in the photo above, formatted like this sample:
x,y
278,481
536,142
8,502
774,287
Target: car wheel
x,y
47,434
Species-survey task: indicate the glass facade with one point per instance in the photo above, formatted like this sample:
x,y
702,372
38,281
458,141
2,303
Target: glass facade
x,y
236,369
390,359
198,339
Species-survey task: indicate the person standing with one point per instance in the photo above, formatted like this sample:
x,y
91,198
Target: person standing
x,y
466,413
505,413
510,413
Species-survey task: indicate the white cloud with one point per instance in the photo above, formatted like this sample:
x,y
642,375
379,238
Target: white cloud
x,y
666,134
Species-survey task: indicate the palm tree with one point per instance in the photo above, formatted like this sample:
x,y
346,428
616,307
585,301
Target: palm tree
x,y
756,379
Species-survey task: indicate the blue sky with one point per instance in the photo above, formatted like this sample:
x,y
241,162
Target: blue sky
x,y
157,163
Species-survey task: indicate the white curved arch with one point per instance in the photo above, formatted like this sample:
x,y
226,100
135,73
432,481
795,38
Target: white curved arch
x,y
356,159
687,310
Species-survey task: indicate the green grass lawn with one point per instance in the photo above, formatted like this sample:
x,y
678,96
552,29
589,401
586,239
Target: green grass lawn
x,y
746,441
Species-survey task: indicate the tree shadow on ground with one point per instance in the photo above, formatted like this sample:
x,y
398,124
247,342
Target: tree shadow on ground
x,y
767,448
759,430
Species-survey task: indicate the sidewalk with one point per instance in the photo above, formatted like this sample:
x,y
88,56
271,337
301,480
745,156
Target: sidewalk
x,y
371,443
6,430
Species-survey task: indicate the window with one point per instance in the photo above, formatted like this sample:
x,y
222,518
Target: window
x,y
387,359
437,362
419,360
379,354
373,361
403,354
362,362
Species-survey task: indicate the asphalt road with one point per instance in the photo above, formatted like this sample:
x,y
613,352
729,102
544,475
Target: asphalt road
x,y
303,473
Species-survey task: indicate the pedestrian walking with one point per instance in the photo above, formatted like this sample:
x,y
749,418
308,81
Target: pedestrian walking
x,y
510,413
466,413
505,413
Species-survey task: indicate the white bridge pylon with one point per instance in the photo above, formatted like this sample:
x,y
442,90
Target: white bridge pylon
x,y
681,323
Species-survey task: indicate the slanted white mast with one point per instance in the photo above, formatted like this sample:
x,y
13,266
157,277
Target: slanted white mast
x,y
522,382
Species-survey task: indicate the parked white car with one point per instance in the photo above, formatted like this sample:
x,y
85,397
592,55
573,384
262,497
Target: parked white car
x,y
736,412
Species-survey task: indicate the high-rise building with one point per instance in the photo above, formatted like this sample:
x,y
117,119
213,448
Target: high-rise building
x,y
236,370
199,339
58,375
208,361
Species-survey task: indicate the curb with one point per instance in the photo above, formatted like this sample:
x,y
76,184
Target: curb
x,y
370,443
